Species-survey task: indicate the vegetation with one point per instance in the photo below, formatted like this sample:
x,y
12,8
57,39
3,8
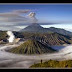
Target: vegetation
x,y
18,34
53,64
49,38
3,35
32,47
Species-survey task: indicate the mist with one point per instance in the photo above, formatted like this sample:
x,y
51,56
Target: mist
x,y
11,36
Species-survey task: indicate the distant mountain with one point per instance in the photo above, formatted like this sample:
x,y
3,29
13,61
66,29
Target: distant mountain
x,y
49,38
61,31
45,38
33,28
32,47
37,28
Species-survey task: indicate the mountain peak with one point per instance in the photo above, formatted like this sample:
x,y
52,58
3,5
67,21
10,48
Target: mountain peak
x,y
35,24
32,28
32,47
35,27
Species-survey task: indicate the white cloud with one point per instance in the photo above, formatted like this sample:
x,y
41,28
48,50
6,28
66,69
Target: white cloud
x,y
21,11
15,18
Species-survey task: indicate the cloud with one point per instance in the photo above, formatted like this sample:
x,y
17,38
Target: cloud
x,y
9,14
13,16
21,11
12,28
16,18
32,17
31,14
14,13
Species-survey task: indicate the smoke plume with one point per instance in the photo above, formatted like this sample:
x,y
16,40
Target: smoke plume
x,y
11,36
32,17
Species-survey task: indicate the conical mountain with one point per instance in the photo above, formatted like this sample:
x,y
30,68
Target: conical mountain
x,y
33,28
32,47
37,28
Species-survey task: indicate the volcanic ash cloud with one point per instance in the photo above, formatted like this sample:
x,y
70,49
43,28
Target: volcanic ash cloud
x,y
32,17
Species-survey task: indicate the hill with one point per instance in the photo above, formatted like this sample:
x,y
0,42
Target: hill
x,y
53,64
60,31
32,47
3,35
33,28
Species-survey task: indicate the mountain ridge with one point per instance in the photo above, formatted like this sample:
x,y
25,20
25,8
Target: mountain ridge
x,y
37,28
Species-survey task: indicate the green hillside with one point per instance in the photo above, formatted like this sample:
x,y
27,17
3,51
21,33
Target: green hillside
x,y
53,64
32,47
3,35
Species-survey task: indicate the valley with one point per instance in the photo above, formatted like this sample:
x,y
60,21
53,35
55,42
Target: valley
x,y
32,47
10,60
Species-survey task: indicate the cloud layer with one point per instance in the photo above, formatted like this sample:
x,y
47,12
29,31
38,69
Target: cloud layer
x,y
16,17
13,16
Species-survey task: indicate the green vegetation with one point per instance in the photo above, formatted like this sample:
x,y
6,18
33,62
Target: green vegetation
x,y
32,47
3,35
53,64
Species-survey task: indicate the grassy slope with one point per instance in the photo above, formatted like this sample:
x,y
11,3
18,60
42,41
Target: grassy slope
x,y
3,35
32,47
53,64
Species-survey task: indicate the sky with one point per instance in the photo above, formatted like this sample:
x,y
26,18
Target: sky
x,y
16,16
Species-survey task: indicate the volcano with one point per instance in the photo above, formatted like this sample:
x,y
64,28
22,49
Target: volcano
x,y
33,28
32,47
36,28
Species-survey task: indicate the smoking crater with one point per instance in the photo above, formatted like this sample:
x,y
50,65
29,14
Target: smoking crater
x,y
11,36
